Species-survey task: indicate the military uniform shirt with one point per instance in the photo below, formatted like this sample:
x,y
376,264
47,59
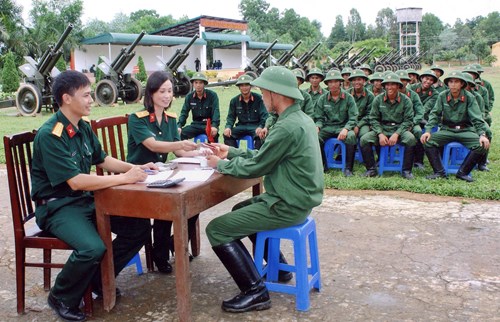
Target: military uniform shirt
x,y
364,104
342,112
418,108
491,94
427,97
289,160
252,113
203,109
317,94
391,117
143,125
62,151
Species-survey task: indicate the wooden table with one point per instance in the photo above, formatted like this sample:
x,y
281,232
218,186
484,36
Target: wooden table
x,y
177,204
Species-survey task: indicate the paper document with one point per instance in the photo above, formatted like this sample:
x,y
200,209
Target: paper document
x,y
159,176
194,175
187,160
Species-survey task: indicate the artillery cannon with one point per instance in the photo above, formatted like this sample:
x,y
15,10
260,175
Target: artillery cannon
x,y
182,84
37,88
305,58
254,66
364,58
351,61
388,62
115,83
287,55
337,63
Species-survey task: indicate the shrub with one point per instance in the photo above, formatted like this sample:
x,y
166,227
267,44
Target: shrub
x,y
141,75
10,76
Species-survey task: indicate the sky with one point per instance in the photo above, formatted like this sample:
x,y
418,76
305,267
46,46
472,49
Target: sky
x,y
464,9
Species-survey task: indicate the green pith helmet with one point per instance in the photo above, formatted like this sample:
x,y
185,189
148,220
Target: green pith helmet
x,y
471,69
392,78
376,76
479,68
199,76
315,71
429,73
280,80
244,79
412,71
366,66
358,73
333,75
457,75
437,67
469,79
299,73
403,74
346,70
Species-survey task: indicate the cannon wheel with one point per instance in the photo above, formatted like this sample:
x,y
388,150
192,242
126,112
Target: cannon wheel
x,y
182,85
106,92
133,91
380,68
29,99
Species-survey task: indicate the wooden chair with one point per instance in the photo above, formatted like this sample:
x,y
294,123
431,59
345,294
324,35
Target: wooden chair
x,y
18,156
111,132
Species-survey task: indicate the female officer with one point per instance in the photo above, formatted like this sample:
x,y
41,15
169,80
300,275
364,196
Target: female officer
x,y
152,134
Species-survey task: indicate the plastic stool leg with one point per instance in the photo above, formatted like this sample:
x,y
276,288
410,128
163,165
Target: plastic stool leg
x,y
302,286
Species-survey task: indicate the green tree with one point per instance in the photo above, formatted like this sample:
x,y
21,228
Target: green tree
x,y
95,27
11,30
490,27
10,77
355,28
141,75
337,34
385,24
61,64
430,29
99,75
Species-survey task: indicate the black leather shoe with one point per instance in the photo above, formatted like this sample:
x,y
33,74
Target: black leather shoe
x,y
163,265
418,165
66,313
407,175
370,173
464,177
482,167
347,173
255,299
284,276
436,175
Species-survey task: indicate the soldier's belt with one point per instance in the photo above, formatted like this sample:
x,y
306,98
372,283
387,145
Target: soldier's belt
x,y
390,123
43,202
457,126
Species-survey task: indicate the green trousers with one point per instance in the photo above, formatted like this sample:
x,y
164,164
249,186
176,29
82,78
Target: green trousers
x,y
251,216
406,138
468,138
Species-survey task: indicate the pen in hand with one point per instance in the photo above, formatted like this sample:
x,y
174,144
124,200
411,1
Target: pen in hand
x,y
150,171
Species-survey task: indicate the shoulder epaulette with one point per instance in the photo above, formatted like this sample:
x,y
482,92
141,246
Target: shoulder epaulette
x,y
57,129
86,119
142,114
171,114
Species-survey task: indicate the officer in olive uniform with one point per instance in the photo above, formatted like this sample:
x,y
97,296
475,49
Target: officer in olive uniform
x,y
418,109
290,162
462,122
336,117
248,108
64,150
315,76
391,119
364,99
376,84
439,85
204,105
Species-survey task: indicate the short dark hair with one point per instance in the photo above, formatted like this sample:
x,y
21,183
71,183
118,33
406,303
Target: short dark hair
x,y
68,82
155,80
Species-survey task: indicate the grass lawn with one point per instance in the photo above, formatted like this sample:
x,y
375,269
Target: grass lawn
x,y
486,186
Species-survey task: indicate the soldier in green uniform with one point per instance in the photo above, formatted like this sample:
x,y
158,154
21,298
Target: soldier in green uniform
x,y
418,109
376,84
248,108
315,76
152,134
290,162
391,118
414,77
439,85
363,99
462,122
366,69
64,150
491,94
204,104
346,72
336,117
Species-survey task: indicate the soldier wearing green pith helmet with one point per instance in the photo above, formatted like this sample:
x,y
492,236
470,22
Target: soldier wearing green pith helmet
x,y
315,76
439,85
364,99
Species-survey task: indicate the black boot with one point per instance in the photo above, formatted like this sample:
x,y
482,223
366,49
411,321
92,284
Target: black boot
x,y
418,160
436,164
350,150
481,164
408,162
467,166
369,159
239,264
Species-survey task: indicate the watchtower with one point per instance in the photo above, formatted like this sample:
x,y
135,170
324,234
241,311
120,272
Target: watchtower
x,y
409,20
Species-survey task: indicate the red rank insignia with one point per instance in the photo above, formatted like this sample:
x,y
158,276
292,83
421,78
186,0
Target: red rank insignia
x,y
151,117
70,130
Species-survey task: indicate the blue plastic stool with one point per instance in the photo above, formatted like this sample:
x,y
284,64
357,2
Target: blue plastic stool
x,y
299,234
454,154
137,261
332,148
249,140
201,138
391,158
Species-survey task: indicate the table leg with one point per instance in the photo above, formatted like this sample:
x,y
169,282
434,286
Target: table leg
x,y
107,266
182,272
257,189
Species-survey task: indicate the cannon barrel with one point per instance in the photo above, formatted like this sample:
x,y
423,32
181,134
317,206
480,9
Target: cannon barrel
x,y
180,55
262,55
126,54
355,56
52,54
393,56
343,56
365,58
287,55
304,59
384,57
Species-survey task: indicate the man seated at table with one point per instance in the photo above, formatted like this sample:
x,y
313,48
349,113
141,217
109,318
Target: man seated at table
x,y
64,150
249,110
290,162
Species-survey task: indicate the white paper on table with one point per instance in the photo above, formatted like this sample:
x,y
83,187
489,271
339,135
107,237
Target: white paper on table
x,y
194,175
186,160
159,176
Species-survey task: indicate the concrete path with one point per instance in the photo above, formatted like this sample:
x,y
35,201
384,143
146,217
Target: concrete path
x,y
384,257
